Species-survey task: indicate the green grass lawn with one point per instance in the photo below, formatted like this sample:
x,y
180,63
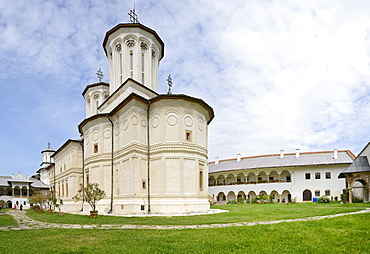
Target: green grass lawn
x,y
237,213
7,220
346,234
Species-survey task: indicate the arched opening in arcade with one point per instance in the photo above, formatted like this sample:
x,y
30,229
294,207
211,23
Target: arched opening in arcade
x,y
230,179
275,197
251,195
241,197
273,176
221,180
231,196
285,176
286,197
221,198
240,178
358,191
211,181
262,177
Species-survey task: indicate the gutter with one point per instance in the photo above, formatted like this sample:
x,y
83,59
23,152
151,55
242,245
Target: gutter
x,y
111,195
83,175
148,139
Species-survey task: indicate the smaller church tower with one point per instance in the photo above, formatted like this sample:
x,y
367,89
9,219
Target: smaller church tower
x,y
46,155
95,95
47,160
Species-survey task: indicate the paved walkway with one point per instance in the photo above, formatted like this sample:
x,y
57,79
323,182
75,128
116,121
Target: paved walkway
x,y
25,222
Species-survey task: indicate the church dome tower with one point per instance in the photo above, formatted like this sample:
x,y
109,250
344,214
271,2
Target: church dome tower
x,y
133,51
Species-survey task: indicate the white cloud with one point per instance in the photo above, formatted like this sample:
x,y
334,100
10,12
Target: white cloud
x,y
279,74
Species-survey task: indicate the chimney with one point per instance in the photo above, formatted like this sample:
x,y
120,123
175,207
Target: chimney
x,y
238,159
216,160
335,156
297,153
282,153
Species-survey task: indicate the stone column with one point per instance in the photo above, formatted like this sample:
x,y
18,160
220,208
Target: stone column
x,y
350,195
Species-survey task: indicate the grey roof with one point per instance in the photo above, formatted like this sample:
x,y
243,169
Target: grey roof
x,y
361,164
289,160
20,178
38,184
5,181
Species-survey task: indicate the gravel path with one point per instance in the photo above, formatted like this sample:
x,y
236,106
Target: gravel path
x,y
25,222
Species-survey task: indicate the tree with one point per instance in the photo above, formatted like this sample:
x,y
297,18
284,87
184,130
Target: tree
x,y
38,198
91,194
51,199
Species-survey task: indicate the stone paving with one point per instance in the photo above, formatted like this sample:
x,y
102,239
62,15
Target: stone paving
x,y
25,222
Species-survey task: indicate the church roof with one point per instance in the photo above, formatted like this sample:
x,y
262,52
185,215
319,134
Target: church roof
x,y
188,98
65,144
94,85
289,160
361,163
152,100
131,25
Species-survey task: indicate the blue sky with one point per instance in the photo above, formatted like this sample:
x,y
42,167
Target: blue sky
x,y
279,74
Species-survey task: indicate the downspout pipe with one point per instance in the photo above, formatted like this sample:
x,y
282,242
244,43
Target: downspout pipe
x,y
83,175
148,138
111,191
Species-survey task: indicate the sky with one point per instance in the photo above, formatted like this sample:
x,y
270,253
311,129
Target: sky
x,y
278,74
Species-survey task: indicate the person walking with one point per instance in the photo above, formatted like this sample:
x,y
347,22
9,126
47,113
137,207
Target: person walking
x,y
21,207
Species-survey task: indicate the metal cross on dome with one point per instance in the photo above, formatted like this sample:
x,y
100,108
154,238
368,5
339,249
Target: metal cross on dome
x,y
169,83
100,75
133,16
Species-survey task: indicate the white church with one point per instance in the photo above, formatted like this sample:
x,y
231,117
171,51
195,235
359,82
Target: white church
x,y
147,151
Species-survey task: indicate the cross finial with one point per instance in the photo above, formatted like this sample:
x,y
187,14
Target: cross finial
x,y
133,16
169,83
100,75
48,144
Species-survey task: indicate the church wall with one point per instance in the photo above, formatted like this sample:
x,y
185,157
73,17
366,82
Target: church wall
x,y
68,173
189,185
172,179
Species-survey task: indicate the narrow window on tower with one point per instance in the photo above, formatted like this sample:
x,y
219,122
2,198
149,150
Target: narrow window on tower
x,y
131,63
201,180
120,65
144,184
142,67
96,148
188,136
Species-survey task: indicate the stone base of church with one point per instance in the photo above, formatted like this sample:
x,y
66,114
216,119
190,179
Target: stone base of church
x,y
137,206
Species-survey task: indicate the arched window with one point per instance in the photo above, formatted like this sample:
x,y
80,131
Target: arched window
x,y
24,191
17,191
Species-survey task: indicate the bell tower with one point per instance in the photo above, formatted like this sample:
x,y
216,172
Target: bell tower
x,y
133,51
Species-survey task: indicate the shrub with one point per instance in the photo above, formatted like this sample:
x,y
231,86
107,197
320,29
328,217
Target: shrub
x,y
356,199
231,202
323,199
